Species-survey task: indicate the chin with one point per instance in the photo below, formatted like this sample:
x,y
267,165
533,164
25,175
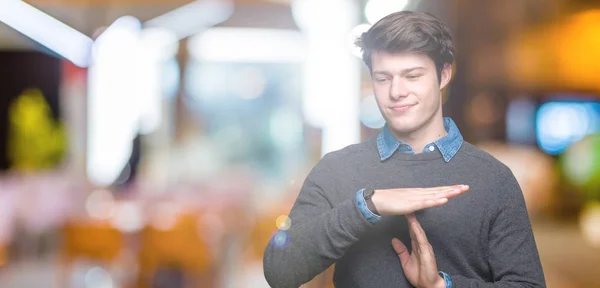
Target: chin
x,y
402,125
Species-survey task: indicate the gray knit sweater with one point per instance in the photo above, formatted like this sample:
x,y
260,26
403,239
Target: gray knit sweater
x,y
482,238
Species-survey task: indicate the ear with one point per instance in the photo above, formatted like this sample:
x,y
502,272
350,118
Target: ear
x,y
446,75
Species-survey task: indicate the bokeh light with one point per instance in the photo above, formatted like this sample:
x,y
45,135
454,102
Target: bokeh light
x,y
128,217
377,9
281,239
483,110
370,115
165,216
581,165
589,222
283,222
251,83
315,15
100,204
98,278
563,123
286,127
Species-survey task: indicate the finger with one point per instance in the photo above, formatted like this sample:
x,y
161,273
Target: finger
x,y
419,234
411,232
426,257
424,191
444,188
422,201
428,203
440,194
433,190
401,250
449,193
452,191
415,250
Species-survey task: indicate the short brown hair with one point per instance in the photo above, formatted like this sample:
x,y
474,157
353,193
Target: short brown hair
x,y
408,31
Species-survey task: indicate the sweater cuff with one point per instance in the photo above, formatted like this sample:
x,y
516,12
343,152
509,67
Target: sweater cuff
x,y
364,210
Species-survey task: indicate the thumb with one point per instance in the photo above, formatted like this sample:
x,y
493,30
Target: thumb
x,y
401,250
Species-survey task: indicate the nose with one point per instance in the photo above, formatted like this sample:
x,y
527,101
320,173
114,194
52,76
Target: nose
x,y
398,89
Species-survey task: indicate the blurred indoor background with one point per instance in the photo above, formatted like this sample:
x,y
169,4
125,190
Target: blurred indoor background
x,y
161,143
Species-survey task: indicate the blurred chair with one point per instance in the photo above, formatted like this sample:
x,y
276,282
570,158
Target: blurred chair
x,y
179,248
3,256
92,240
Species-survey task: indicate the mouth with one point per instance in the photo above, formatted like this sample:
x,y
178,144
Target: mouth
x,y
401,107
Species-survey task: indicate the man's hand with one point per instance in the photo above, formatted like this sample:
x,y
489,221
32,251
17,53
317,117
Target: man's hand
x,y
408,200
419,267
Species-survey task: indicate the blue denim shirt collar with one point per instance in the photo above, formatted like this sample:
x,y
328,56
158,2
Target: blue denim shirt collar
x,y
448,145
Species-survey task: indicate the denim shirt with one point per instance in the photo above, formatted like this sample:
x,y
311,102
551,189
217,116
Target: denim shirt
x,y
448,145
387,145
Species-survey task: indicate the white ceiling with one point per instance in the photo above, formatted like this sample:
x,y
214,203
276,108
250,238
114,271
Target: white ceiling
x,y
88,18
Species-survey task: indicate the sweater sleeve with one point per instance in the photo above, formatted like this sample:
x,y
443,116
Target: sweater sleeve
x,y
513,255
319,233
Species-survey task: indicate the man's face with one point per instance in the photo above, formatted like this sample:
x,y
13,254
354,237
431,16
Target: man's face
x,y
407,89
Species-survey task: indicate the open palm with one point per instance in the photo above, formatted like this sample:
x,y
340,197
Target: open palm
x,y
419,266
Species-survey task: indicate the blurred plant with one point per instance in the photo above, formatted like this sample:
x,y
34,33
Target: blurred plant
x,y
581,166
36,141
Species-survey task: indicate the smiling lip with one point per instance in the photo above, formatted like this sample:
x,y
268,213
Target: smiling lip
x,y
401,108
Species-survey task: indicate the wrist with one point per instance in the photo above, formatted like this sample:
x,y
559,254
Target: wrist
x,y
446,280
378,202
367,195
440,283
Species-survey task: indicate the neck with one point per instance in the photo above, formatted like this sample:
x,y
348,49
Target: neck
x,y
430,132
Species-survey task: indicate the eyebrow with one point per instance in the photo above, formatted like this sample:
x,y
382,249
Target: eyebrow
x,y
403,71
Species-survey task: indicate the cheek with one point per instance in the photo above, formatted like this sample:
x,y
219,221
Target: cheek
x,y
381,102
419,87
380,91
426,93
381,95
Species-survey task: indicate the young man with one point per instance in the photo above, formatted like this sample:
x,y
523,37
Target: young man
x,y
360,208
